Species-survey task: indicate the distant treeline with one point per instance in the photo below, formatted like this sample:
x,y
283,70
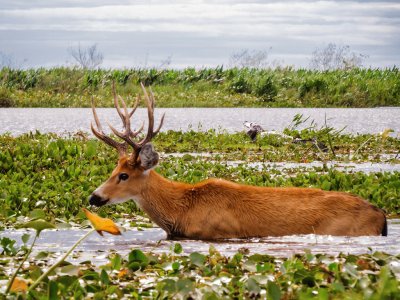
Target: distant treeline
x,y
208,87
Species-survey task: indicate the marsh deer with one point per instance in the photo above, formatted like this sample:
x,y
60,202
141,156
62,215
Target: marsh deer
x,y
217,208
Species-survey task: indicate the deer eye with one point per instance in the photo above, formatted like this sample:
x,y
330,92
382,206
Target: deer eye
x,y
123,176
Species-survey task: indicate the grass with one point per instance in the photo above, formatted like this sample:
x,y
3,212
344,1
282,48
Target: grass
x,y
218,87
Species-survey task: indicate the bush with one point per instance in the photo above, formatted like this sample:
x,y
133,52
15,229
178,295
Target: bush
x,y
315,85
5,98
266,88
240,85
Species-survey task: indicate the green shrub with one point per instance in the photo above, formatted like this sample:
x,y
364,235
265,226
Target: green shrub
x,y
5,98
265,88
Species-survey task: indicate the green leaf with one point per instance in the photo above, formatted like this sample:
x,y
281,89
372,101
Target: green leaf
x,y
273,291
37,214
197,259
168,285
25,238
326,185
91,149
42,255
137,259
70,270
53,290
137,256
38,225
185,285
104,277
252,286
116,262
178,248
175,266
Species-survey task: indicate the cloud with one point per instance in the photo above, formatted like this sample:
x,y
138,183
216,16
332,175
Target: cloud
x,y
360,24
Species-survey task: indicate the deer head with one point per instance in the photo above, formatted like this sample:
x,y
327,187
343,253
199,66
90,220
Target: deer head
x,y
131,172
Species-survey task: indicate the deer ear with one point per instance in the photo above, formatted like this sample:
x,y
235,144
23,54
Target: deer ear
x,y
148,156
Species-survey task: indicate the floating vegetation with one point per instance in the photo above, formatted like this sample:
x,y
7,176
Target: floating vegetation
x,y
174,274
46,179
57,175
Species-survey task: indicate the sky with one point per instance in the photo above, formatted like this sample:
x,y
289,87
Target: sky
x,y
196,33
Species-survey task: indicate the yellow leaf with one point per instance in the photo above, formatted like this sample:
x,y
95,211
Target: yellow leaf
x,y
19,285
122,273
101,224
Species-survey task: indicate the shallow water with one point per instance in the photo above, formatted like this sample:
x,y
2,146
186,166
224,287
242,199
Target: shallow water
x,y
68,120
96,247
350,167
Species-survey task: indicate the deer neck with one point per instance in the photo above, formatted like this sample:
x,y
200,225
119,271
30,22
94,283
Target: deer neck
x,y
164,201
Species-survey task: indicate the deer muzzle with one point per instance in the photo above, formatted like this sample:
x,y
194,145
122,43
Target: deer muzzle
x,y
97,200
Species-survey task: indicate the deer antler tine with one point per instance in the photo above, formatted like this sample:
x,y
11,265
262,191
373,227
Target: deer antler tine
x,y
159,126
96,118
135,106
123,105
134,134
116,103
115,131
146,95
126,119
127,135
121,147
152,98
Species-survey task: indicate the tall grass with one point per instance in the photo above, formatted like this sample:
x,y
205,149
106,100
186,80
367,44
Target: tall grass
x,y
212,87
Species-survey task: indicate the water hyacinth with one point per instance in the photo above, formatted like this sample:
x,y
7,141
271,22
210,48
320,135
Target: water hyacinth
x,y
33,184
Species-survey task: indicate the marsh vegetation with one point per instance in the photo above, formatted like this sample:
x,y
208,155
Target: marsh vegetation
x,y
190,87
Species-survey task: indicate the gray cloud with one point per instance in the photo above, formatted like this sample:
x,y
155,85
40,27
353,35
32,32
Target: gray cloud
x,y
197,32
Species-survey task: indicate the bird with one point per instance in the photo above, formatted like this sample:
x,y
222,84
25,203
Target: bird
x,y
254,129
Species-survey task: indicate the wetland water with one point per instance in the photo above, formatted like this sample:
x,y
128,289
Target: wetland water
x,y
61,121
97,248
67,120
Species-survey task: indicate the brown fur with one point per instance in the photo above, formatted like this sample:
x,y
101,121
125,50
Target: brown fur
x,y
216,208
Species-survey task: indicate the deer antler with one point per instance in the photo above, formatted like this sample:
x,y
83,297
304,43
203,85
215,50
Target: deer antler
x,y
127,134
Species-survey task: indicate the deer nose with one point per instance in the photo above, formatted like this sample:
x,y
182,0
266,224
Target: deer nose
x,y
97,200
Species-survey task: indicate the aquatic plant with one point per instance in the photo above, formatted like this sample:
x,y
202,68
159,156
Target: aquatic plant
x,y
56,175
212,275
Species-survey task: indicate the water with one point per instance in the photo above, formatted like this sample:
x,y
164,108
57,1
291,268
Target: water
x,y
68,120
348,167
96,248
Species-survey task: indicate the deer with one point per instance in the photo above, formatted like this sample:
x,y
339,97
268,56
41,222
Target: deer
x,y
216,208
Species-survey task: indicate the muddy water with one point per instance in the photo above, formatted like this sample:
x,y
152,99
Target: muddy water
x,y
96,248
